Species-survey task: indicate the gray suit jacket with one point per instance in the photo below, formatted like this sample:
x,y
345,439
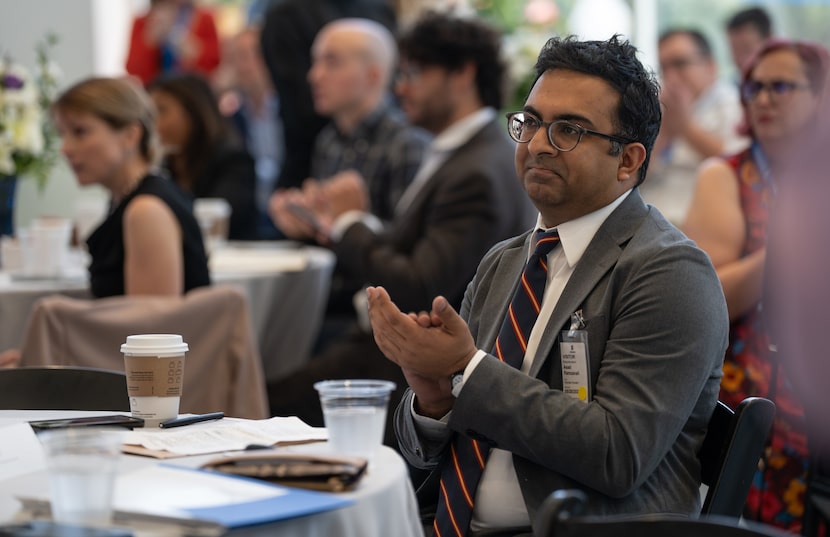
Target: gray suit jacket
x,y
471,202
657,331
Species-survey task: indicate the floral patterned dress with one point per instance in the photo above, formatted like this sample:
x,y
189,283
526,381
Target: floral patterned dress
x,y
750,369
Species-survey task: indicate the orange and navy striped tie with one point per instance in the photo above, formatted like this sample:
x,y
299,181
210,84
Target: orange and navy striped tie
x,y
464,462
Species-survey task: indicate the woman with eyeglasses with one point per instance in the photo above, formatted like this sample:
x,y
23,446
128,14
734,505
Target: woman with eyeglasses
x,y
781,93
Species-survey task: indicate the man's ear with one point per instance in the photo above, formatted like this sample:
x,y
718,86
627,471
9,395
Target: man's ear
x,y
374,73
632,157
467,73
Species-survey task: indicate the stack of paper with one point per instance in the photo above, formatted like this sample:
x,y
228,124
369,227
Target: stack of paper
x,y
228,434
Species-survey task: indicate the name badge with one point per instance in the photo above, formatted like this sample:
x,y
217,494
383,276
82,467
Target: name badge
x,y
576,368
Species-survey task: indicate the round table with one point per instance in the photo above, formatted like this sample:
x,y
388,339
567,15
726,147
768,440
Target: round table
x,y
384,502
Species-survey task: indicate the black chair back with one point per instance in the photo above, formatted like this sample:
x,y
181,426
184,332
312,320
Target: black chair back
x,y
730,453
63,388
560,516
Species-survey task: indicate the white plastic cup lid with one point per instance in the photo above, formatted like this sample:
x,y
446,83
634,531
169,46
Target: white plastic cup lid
x,y
211,208
154,344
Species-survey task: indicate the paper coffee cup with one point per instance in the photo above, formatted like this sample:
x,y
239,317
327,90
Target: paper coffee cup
x,y
154,364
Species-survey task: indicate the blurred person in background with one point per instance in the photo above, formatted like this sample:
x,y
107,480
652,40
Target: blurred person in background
x,y
149,243
781,94
796,295
747,30
288,31
464,198
202,153
174,35
700,118
368,148
254,112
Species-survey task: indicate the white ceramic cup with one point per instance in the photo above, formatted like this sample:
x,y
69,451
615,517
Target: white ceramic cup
x,y
154,364
355,414
82,465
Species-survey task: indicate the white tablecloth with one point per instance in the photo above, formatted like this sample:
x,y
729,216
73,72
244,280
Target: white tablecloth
x,y
287,288
384,502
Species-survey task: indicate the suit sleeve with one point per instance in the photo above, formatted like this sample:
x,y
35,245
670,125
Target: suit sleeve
x,y
204,30
143,60
456,228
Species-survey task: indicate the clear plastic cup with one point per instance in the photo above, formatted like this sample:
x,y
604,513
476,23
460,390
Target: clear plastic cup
x,y
82,465
354,411
213,215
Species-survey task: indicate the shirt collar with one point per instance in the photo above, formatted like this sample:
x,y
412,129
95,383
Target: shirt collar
x,y
576,235
462,130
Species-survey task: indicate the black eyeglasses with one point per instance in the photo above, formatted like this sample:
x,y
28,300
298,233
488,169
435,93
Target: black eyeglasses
x,y
407,74
562,134
680,64
775,89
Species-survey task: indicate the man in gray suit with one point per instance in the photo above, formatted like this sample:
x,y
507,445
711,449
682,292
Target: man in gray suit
x,y
622,366
463,200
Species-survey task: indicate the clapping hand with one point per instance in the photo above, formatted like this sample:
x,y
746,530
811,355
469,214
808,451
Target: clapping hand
x,y
428,346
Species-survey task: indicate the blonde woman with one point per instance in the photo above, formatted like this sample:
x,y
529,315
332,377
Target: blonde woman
x,y
150,243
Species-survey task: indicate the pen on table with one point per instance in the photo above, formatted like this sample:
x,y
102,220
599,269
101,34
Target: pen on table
x,y
187,420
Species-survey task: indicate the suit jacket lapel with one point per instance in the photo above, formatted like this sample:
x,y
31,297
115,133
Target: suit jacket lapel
x,y
602,254
452,160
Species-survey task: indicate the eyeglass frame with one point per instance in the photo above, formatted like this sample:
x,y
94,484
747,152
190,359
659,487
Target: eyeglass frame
x,y
784,88
409,74
681,64
548,124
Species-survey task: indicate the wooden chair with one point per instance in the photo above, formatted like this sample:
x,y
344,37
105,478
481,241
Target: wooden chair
x,y
560,516
63,388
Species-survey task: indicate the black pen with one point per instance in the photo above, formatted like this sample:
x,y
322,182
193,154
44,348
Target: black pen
x,y
178,422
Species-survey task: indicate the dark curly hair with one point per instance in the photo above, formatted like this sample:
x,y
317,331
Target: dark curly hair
x,y
615,61
449,41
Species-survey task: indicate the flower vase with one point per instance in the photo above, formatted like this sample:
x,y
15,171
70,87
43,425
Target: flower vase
x,y
8,185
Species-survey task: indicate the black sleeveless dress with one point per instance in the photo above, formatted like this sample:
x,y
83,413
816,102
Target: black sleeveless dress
x,y
106,243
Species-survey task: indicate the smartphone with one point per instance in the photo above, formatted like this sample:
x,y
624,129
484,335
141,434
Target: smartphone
x,y
305,215
114,420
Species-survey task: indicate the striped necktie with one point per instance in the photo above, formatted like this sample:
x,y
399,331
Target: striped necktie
x,y
464,463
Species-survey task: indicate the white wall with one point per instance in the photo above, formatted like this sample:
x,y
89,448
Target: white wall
x,y
93,37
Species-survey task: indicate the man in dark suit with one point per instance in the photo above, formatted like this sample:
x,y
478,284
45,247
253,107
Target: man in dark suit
x,y
464,199
620,364
288,31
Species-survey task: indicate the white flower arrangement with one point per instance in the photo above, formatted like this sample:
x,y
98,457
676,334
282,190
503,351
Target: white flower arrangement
x,y
28,142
